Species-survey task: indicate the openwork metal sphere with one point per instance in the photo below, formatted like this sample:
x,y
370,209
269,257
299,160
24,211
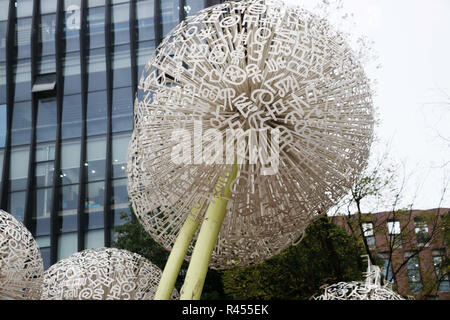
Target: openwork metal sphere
x,y
370,289
102,274
21,265
272,88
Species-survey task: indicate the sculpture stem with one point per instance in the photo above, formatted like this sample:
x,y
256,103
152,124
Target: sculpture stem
x,y
206,240
176,257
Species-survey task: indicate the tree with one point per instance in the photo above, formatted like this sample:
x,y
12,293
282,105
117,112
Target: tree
x,y
405,233
326,255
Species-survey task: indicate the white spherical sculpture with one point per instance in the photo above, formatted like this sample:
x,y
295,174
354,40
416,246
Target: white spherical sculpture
x,y
220,82
21,265
102,274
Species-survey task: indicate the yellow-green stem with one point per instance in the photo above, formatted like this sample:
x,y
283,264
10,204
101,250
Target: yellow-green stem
x,y
206,241
176,257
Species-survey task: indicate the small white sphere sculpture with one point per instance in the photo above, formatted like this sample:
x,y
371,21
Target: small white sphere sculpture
x,y
102,274
244,70
21,265
370,289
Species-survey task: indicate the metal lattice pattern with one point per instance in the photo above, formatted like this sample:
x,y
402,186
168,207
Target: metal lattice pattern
x,y
370,289
21,266
243,67
102,274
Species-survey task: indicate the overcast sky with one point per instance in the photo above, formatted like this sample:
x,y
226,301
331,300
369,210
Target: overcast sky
x,y
412,41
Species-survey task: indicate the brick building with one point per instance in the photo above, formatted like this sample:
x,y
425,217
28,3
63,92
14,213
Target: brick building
x,y
411,247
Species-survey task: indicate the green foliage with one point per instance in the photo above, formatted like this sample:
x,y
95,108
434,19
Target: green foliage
x,y
326,255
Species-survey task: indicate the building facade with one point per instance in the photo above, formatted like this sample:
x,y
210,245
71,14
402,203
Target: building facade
x,y
411,247
69,71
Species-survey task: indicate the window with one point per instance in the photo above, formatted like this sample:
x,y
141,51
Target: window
x,y
71,117
67,245
96,26
23,37
145,19
44,246
94,204
386,268
122,110
45,84
96,113
368,234
95,159
169,15
192,7
120,23
22,80
96,66
121,63
70,162
119,155
21,123
46,120
72,24
16,205
394,234
421,230
94,239
2,125
46,35
72,73
413,270
18,172
438,263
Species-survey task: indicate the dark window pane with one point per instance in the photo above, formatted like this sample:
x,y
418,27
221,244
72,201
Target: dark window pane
x,y
44,174
23,37
16,205
145,19
71,117
144,52
21,123
18,171
45,152
120,23
68,208
45,253
95,159
94,202
46,120
96,66
96,27
22,79
122,110
119,216
2,83
71,72
46,35
96,113
121,63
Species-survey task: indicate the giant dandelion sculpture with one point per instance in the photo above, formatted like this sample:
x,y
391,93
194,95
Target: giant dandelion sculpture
x,y
21,265
252,119
369,289
102,274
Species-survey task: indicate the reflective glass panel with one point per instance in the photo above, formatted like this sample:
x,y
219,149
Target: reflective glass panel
x,y
21,123
44,174
145,20
18,171
120,23
16,206
2,125
94,239
46,64
119,155
169,15
94,202
122,110
24,8
23,37
96,26
71,72
192,7
22,78
71,117
96,113
68,208
46,35
95,159
46,120
67,245
70,162
121,63
72,24
96,66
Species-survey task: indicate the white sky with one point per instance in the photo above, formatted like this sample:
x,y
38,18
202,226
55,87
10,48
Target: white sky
x,y
412,42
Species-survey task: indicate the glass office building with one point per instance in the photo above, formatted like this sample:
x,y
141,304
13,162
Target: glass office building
x,y
69,71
